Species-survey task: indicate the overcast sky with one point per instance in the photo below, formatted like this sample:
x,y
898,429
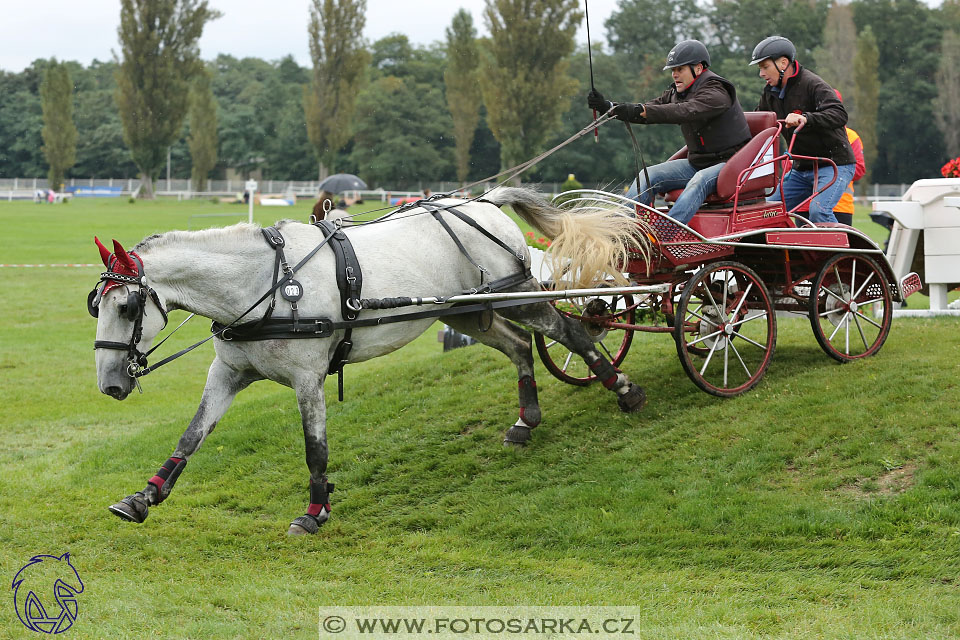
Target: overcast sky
x,y
87,29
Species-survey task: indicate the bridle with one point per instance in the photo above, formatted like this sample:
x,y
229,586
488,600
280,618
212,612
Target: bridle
x,y
134,309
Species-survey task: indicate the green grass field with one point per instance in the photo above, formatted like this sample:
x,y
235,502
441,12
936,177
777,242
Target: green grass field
x,y
823,504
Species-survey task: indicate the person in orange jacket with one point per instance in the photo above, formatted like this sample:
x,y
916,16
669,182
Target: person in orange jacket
x,y
844,207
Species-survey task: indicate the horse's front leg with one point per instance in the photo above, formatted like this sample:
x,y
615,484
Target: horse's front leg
x,y
313,414
223,384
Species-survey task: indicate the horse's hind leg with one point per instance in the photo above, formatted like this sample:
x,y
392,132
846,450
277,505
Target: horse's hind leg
x,y
544,318
313,414
223,384
515,343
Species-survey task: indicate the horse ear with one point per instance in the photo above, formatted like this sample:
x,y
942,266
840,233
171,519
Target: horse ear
x,y
124,257
104,252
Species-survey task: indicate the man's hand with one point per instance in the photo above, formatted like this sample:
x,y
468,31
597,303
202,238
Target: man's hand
x,y
795,120
595,100
629,112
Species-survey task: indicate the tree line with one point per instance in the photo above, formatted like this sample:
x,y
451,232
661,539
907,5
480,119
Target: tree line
x,y
462,108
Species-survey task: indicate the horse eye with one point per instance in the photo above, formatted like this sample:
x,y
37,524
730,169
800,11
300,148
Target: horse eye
x,y
123,309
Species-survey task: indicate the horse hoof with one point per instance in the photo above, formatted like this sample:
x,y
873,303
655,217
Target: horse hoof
x,y
307,524
516,436
633,400
132,508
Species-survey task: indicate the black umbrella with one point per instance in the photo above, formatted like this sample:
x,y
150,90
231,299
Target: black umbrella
x,y
340,182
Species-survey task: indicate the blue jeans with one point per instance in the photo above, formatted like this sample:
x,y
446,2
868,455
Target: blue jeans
x,y
798,185
679,174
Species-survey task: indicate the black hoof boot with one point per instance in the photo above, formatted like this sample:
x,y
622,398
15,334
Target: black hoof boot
x,y
307,524
516,436
633,400
133,508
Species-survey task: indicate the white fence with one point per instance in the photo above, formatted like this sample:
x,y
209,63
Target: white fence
x,y
19,188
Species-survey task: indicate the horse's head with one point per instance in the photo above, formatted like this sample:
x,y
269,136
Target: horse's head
x,y
129,316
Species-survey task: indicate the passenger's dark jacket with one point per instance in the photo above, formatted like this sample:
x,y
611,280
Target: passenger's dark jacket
x,y
824,135
710,118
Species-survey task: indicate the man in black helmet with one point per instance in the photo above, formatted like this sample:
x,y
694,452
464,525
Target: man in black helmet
x,y
800,97
711,121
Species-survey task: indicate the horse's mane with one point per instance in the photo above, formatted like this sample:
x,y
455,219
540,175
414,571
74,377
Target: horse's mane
x,y
224,237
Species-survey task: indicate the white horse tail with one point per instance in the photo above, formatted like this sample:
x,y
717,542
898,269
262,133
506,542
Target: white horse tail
x,y
590,244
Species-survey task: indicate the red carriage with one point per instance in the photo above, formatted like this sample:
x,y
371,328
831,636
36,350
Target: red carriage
x,y
717,283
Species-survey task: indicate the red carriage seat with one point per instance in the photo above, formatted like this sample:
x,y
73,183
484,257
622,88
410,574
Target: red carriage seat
x,y
763,127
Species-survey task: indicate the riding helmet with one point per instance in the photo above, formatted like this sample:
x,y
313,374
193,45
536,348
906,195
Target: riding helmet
x,y
687,52
772,48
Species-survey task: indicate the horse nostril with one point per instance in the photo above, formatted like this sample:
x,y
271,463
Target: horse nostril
x,y
114,392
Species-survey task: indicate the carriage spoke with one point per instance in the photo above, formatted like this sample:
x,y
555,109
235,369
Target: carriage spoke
x,y
862,287
840,324
860,330
869,319
759,316
605,350
566,363
750,340
830,292
551,343
706,362
726,362
704,338
740,358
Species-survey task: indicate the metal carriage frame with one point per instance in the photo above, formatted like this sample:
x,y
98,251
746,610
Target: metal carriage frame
x,y
717,284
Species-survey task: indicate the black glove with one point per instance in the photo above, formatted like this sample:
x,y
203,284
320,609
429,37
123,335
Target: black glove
x,y
629,113
595,100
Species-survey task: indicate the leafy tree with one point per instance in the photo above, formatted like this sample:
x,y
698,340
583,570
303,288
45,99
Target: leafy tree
x,y
100,147
947,103
907,146
403,145
463,92
834,60
203,131
159,40
59,132
523,75
339,59
645,30
21,123
867,96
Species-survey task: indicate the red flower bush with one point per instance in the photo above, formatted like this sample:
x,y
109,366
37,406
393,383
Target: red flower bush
x,y
951,169
539,243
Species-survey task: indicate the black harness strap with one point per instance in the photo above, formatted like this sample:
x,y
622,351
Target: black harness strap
x,y
349,281
435,212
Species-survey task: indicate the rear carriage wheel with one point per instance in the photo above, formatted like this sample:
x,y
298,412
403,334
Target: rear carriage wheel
x,y
595,315
725,328
851,307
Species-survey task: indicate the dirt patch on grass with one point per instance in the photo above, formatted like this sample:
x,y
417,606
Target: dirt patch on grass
x,y
890,483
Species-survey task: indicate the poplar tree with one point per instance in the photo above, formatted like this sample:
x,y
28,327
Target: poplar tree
x,y
203,131
59,132
159,42
834,59
339,62
463,92
946,106
866,71
523,73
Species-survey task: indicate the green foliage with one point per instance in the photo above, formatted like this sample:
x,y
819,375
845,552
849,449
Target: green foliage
x,y
524,79
867,97
21,123
463,89
160,56
910,33
59,132
947,103
203,131
834,60
339,61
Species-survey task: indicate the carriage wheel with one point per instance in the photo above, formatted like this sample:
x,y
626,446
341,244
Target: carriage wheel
x,y
851,307
594,313
726,329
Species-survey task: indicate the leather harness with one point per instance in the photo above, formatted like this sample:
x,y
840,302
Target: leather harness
x,y
350,282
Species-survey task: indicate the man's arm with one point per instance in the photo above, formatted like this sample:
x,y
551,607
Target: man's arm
x,y
711,100
828,112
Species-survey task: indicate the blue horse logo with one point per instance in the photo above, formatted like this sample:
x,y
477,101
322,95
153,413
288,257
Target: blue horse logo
x,y
38,577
